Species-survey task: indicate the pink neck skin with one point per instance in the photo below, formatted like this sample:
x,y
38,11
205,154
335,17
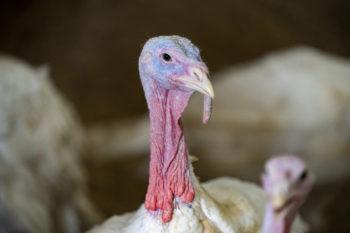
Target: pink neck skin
x,y
169,176
274,223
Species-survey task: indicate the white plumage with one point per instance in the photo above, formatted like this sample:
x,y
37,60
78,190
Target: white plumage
x,y
42,186
222,205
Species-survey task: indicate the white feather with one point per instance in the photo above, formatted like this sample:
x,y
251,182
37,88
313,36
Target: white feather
x,y
41,180
223,205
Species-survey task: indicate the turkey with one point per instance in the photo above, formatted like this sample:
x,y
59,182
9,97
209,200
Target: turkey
x,y
171,69
42,184
286,182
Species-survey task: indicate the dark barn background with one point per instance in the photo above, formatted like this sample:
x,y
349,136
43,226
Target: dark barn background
x,y
92,48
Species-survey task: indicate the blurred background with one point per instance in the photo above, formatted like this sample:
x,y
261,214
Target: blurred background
x,y
92,49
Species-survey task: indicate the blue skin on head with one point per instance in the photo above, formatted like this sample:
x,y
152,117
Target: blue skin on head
x,y
182,52
182,69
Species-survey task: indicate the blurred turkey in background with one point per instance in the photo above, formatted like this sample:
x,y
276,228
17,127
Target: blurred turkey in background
x,y
42,183
271,96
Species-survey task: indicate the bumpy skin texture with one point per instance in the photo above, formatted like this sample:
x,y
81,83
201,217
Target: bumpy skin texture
x,y
168,86
222,205
169,176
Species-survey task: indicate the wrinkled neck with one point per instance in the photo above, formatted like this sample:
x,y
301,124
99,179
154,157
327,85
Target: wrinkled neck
x,y
169,174
276,223
165,110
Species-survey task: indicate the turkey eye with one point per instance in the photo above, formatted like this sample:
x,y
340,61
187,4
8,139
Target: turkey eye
x,y
166,57
303,176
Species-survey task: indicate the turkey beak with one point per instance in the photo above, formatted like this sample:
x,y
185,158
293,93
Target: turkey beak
x,y
197,79
281,197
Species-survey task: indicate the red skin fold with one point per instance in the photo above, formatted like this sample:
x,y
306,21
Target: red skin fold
x,y
169,166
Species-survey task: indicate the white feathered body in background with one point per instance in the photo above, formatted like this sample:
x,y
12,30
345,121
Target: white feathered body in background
x,y
42,186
